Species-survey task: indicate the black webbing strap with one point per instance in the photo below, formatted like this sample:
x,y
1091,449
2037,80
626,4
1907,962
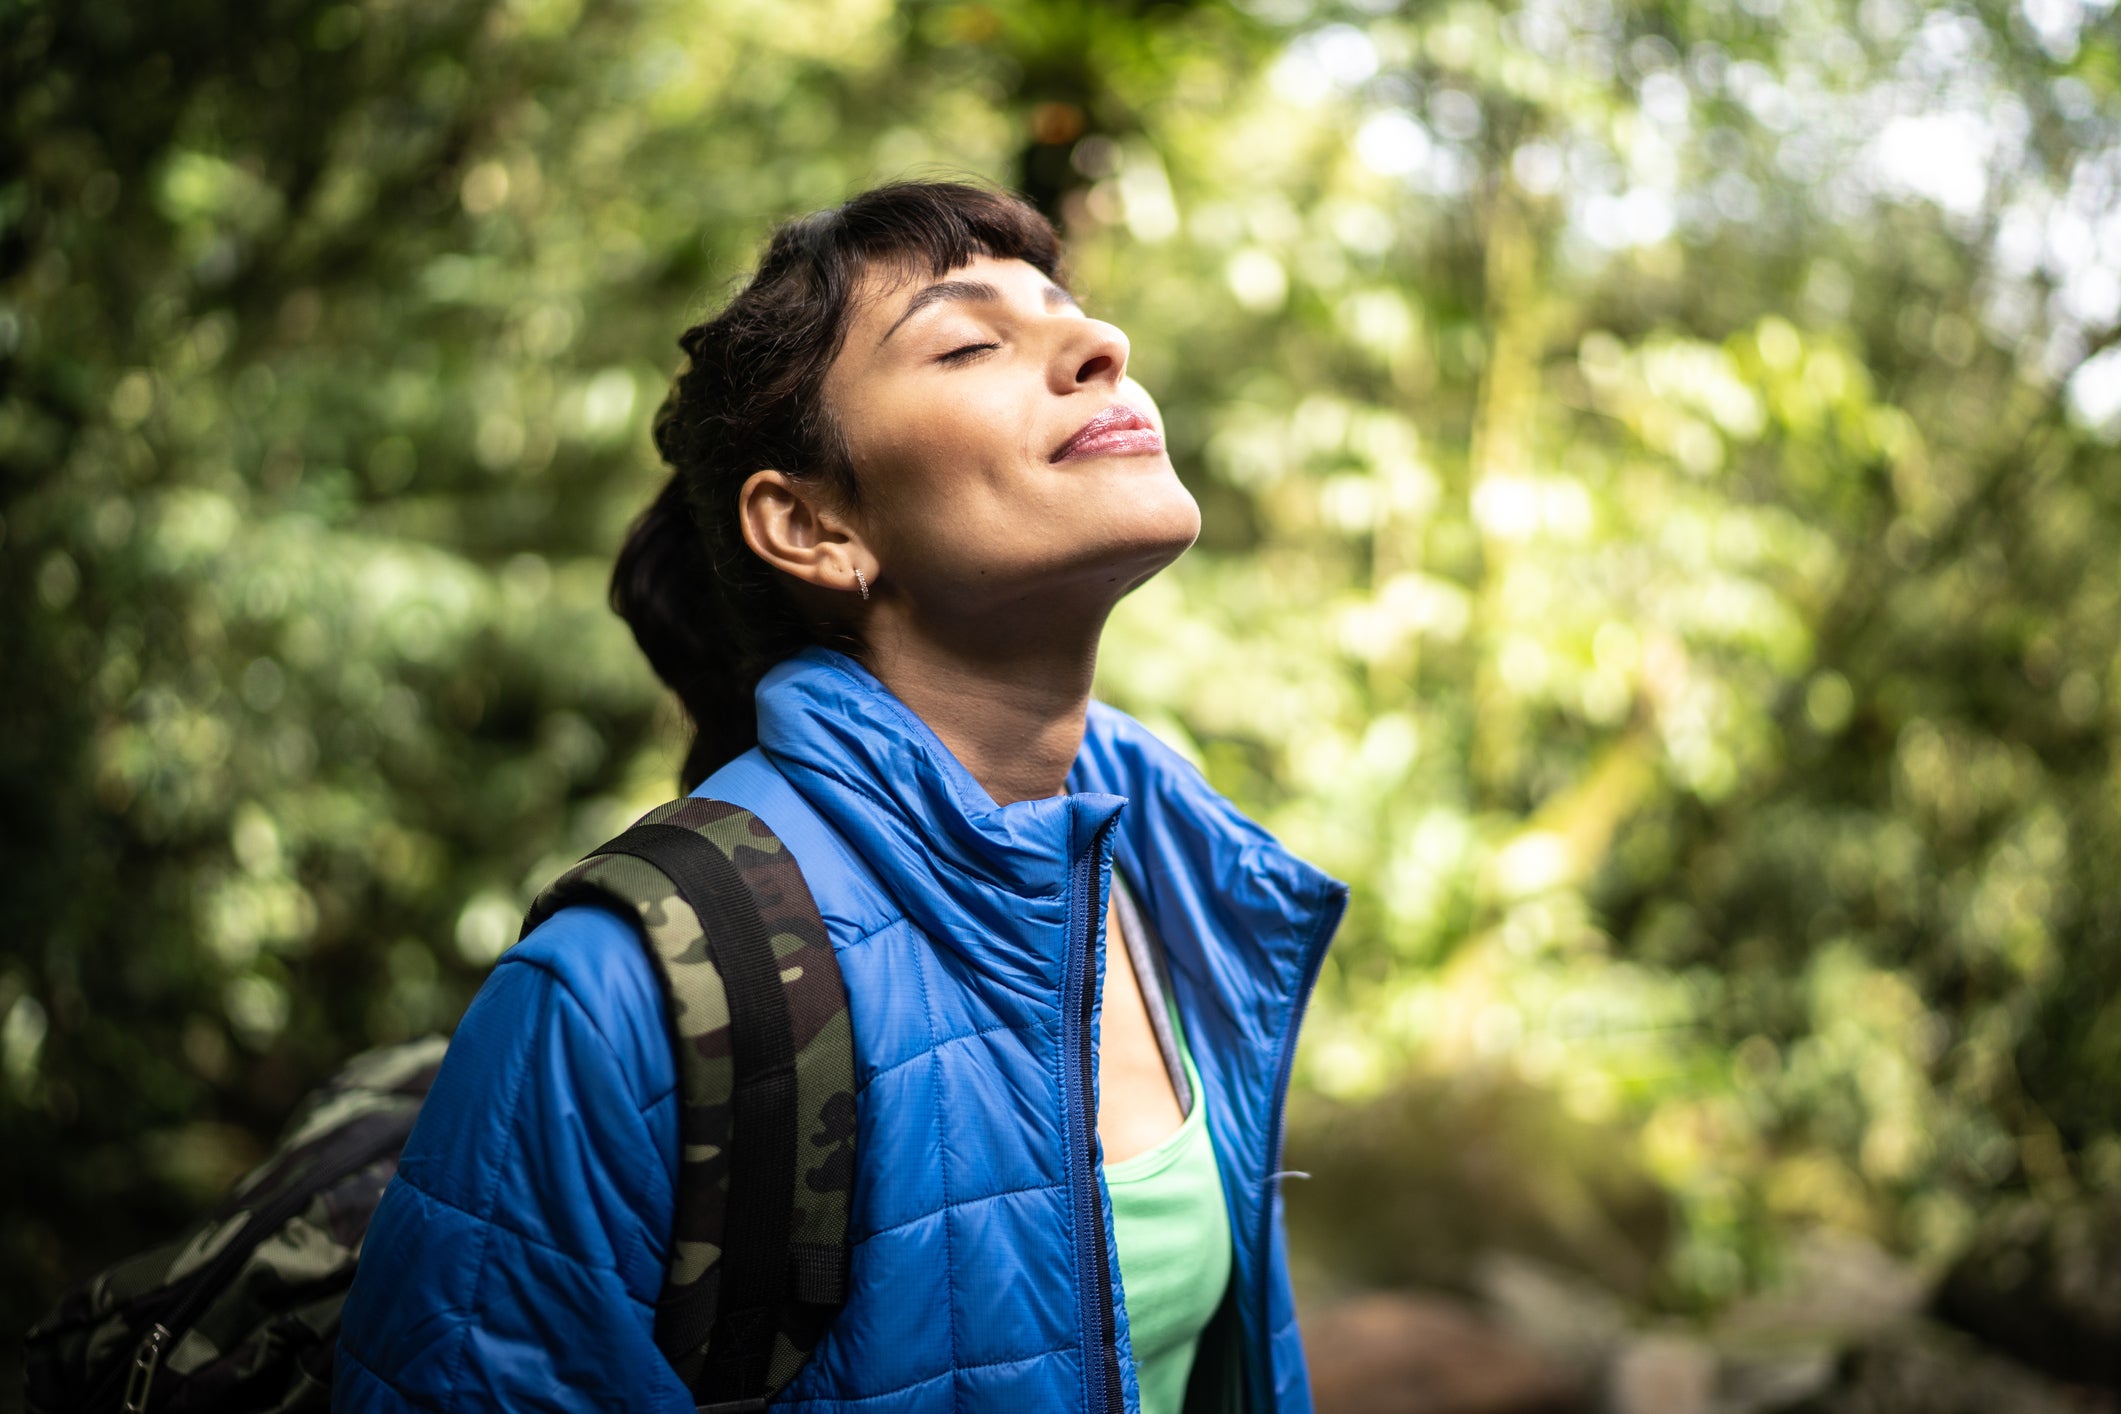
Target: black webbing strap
x,y
817,1274
757,1263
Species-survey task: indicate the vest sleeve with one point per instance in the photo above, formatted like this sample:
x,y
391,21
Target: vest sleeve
x,y
516,1257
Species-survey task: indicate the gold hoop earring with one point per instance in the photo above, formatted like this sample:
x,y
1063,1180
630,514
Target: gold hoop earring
x,y
862,580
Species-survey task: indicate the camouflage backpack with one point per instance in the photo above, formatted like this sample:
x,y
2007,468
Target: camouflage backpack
x,y
242,1313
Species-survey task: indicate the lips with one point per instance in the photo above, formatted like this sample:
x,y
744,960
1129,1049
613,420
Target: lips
x,y
1118,431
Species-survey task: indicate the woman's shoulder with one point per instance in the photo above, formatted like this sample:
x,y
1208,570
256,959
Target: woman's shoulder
x,y
596,963
561,1067
534,1195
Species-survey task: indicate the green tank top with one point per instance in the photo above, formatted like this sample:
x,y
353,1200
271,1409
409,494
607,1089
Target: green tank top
x,y
1172,1233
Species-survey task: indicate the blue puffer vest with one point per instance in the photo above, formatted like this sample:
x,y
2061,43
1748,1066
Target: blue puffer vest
x,y
515,1261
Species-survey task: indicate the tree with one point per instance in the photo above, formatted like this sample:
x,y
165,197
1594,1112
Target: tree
x,y
1657,473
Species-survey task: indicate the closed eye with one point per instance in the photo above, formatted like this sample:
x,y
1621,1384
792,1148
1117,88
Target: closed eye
x,y
967,353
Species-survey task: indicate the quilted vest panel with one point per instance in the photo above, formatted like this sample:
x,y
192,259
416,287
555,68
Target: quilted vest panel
x,y
970,937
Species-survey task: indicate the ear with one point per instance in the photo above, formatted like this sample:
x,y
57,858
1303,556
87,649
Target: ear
x,y
792,526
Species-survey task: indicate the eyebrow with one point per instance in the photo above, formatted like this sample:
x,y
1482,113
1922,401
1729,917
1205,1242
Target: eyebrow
x,y
971,291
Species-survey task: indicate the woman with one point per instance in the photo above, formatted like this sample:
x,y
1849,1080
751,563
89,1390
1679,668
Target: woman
x,y
911,478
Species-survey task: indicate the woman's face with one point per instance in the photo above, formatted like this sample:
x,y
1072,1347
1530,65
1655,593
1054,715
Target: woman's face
x,y
1002,454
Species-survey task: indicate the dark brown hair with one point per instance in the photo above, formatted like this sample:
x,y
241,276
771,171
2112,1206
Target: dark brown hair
x,y
712,616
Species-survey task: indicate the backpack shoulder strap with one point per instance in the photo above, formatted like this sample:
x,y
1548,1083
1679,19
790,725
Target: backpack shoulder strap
x,y
765,1051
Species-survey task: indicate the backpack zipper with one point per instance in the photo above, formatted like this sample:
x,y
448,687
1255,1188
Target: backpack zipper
x,y
207,1283
1092,1254
141,1379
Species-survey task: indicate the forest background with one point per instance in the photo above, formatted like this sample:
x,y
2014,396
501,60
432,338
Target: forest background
x,y
1659,474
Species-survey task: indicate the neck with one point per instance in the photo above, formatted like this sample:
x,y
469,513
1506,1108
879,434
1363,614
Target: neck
x,y
1011,705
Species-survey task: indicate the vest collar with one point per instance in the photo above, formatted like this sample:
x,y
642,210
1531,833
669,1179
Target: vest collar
x,y
992,880
987,880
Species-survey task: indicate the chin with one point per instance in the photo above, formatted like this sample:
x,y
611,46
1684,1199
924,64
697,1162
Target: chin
x,y
1156,531
1174,512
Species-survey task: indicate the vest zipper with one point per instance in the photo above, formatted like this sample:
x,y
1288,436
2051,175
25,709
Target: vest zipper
x,y
1092,1254
1314,958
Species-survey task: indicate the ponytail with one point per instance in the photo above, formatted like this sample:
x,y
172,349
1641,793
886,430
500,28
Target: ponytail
x,y
664,587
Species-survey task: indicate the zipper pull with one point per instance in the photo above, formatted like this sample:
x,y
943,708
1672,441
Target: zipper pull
x,y
145,1360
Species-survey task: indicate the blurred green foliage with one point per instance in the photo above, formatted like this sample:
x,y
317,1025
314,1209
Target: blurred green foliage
x,y
1660,482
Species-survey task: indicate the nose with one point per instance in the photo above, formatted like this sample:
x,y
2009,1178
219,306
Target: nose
x,y
1092,353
